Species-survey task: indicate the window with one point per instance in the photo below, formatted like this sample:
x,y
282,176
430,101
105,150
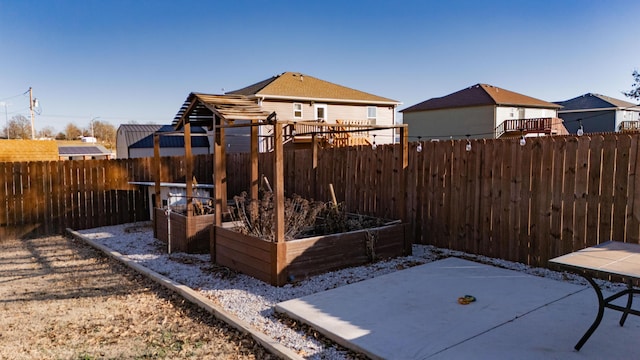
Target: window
x,y
372,112
321,112
297,110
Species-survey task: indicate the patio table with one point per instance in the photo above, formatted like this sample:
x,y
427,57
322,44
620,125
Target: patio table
x,y
609,258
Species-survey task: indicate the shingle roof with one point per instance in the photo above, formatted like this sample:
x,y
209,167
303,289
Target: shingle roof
x,y
480,95
173,141
595,101
134,132
297,86
83,150
28,150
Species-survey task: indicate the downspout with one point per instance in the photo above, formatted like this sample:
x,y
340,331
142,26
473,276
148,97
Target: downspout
x,y
393,118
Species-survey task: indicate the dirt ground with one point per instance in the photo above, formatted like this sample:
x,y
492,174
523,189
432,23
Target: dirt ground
x,y
60,299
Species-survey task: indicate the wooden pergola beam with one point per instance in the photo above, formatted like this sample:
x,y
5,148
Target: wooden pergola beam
x,y
402,171
217,170
279,255
187,112
188,168
254,181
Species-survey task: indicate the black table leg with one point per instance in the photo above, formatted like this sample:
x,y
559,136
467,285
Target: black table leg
x,y
629,302
596,322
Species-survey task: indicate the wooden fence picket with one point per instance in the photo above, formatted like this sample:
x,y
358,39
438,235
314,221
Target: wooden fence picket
x,y
523,203
620,190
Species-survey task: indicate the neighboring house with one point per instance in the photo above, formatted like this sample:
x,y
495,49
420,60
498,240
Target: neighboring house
x,y
171,145
83,152
482,111
129,134
299,97
599,113
28,150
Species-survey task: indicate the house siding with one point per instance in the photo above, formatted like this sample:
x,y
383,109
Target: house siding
x,y
238,140
384,116
455,123
505,113
592,121
625,115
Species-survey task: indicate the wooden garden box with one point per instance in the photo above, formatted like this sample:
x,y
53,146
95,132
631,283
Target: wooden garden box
x,y
190,234
284,262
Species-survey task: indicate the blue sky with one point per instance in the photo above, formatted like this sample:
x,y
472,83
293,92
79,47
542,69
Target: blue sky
x,y
137,60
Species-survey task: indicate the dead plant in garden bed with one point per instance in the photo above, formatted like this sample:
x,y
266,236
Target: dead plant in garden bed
x,y
257,217
303,218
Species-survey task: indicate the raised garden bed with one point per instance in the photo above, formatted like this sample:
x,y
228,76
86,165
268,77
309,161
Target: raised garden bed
x,y
190,234
279,263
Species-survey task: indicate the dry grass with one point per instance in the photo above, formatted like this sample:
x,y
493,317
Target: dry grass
x,y
63,300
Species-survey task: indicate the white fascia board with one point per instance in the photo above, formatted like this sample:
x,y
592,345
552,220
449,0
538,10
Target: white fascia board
x,y
321,100
588,110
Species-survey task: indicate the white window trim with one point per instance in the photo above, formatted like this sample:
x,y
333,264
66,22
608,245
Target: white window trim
x,y
294,111
376,109
326,111
372,120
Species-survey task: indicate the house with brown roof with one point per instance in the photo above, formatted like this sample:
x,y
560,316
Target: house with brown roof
x,y
299,97
482,111
599,113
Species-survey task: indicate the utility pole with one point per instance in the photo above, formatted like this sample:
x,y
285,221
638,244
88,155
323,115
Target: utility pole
x,y
33,130
6,119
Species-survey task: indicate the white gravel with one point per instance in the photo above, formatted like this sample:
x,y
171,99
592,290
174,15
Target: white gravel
x,y
253,300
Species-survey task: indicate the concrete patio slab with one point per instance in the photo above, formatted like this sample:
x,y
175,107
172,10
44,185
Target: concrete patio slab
x,y
414,314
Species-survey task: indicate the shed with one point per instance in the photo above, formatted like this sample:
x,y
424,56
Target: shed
x,y
171,145
129,134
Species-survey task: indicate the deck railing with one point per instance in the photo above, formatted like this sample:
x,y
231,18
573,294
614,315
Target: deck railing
x,y
525,126
629,126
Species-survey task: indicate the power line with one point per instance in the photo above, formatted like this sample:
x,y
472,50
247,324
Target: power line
x,y
14,96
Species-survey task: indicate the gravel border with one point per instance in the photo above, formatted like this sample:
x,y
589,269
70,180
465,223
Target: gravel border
x,y
249,303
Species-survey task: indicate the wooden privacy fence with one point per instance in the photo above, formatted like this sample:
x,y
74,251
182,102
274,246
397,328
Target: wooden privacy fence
x,y
521,203
41,198
526,203
44,198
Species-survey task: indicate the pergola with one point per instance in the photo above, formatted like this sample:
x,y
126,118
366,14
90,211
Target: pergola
x,y
219,112
215,112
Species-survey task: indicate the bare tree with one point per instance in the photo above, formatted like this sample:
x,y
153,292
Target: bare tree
x,y
72,131
46,132
19,127
104,132
635,88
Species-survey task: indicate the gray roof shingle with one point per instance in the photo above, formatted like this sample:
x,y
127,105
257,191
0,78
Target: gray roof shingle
x,y
592,101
